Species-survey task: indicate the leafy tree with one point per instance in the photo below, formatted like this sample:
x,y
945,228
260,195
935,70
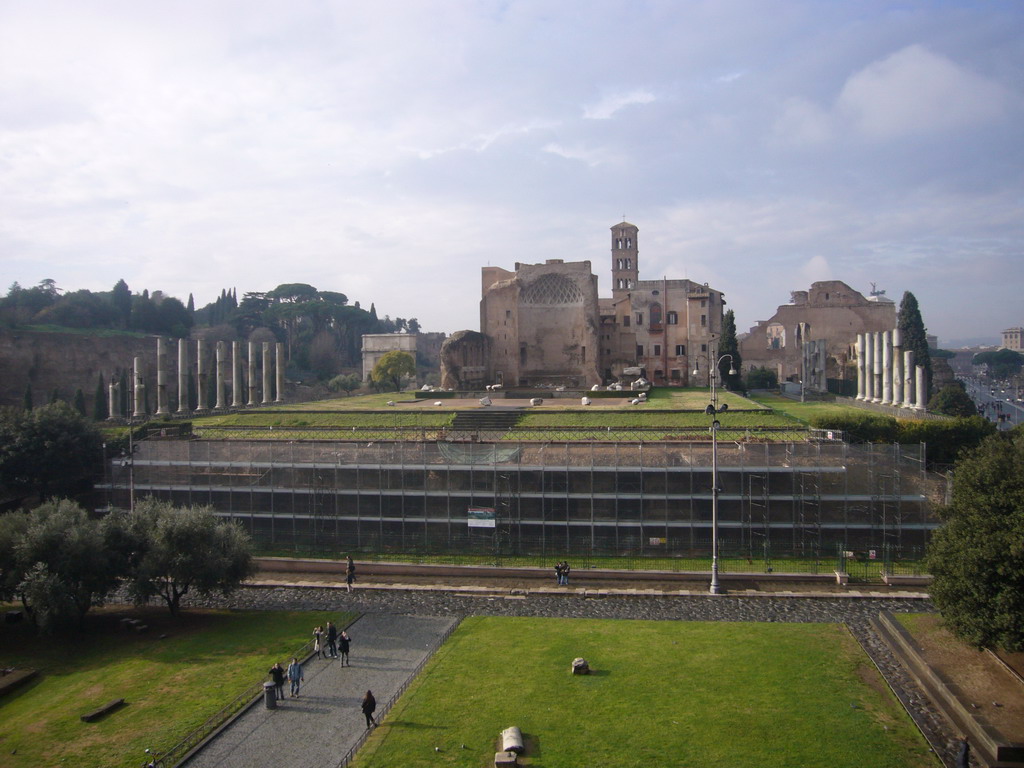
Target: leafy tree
x,y
953,400
728,345
413,325
977,556
51,450
190,550
1002,363
121,298
347,383
762,378
914,335
12,528
392,367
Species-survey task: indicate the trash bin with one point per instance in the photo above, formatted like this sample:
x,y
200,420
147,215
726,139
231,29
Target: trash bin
x,y
270,695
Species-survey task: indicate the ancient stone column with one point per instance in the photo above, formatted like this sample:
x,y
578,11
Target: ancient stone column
x,y
886,367
908,378
266,373
922,395
279,370
897,368
140,408
114,399
221,349
252,373
236,374
869,354
200,377
859,348
161,378
876,367
183,376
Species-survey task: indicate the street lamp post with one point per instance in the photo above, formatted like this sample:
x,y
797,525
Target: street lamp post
x,y
713,410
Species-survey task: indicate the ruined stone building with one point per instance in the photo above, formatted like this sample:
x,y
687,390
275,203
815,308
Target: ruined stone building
x,y
544,325
812,338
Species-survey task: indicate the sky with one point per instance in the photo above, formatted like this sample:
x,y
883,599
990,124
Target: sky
x,y
390,150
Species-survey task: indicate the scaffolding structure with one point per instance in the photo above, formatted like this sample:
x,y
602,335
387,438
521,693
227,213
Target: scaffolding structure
x,y
641,497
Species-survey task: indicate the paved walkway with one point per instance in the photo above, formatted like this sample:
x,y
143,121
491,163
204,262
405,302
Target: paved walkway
x,y
320,726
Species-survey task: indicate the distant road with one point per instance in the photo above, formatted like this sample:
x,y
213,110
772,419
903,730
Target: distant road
x,y
994,406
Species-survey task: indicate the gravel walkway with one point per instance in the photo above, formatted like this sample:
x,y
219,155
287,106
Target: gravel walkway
x,y
391,604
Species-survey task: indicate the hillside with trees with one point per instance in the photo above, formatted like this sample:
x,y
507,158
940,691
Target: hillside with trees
x,y
322,332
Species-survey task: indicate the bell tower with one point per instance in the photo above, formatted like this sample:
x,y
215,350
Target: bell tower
x,y
625,259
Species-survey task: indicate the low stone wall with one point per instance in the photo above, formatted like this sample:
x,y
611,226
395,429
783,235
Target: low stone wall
x,y
992,747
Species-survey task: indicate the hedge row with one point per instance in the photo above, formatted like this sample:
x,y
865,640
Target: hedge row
x,y
944,439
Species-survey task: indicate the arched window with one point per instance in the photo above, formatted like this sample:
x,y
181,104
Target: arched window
x,y
776,333
655,314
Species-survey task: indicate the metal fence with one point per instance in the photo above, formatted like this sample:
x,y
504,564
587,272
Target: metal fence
x,y
861,565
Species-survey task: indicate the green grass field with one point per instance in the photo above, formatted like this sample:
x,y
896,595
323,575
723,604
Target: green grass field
x,y
663,693
171,685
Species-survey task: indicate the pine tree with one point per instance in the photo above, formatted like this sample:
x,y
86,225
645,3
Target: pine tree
x,y
728,345
914,335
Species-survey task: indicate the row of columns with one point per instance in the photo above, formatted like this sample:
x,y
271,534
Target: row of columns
x,y
886,373
220,372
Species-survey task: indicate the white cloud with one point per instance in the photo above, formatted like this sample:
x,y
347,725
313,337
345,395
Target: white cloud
x,y
609,105
915,91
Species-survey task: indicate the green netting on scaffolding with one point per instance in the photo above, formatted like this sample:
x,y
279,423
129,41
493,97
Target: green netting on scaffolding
x,y
478,453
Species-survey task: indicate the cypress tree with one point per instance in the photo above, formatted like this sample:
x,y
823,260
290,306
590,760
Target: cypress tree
x,y
126,395
54,396
79,402
729,345
27,400
914,334
100,403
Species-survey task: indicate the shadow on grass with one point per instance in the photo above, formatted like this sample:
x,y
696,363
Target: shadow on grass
x,y
416,726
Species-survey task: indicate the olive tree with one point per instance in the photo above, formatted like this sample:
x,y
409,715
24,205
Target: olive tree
x,y
188,549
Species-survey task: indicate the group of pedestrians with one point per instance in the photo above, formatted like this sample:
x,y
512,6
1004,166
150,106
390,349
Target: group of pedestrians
x,y
338,644
562,573
293,674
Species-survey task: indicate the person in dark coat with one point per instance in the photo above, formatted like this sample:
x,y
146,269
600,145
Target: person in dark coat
x,y
350,572
343,644
369,706
565,573
332,640
558,573
277,675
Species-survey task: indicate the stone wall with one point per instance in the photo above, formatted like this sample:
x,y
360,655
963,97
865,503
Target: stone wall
x,y
67,362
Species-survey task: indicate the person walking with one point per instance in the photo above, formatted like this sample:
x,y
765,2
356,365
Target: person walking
x,y
343,645
295,677
350,572
278,676
332,640
369,705
318,634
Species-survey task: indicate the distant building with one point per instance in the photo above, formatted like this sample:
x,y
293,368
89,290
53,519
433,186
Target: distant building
x,y
544,325
376,345
1011,338
830,315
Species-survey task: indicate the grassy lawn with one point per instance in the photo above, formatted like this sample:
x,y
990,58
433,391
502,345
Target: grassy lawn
x,y
803,412
663,693
171,685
